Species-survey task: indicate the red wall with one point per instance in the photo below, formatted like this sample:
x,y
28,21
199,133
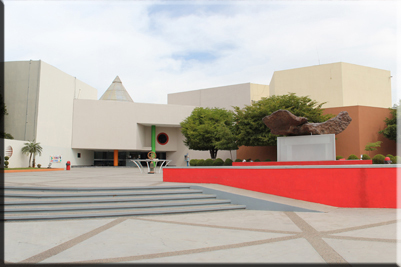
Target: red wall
x,y
340,187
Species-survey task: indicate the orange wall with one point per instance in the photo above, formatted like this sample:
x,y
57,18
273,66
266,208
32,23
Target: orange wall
x,y
363,129
257,152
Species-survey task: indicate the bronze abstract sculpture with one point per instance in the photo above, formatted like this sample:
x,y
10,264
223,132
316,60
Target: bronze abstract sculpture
x,y
283,122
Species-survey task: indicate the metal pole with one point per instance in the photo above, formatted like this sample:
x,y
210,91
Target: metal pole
x,y
153,141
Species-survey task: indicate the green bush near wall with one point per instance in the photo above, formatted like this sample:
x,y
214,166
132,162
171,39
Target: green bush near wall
x,y
228,162
352,156
208,162
365,157
238,160
339,157
256,160
218,162
268,160
6,158
201,162
378,159
193,162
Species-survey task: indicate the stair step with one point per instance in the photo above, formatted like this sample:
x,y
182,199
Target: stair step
x,y
51,203
116,213
96,206
82,189
97,194
75,200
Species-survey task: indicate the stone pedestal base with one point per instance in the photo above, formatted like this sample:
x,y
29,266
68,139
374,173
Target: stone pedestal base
x,y
306,148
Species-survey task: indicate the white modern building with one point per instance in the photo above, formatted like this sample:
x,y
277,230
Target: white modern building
x,y
63,113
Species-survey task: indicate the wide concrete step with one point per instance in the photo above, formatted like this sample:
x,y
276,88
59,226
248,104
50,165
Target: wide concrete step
x,y
119,212
91,189
110,193
116,199
50,203
104,206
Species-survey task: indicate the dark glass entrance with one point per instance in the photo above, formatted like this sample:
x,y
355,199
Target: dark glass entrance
x,y
106,158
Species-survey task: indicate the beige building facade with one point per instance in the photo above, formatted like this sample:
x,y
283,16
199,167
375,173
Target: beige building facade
x,y
63,113
222,97
337,84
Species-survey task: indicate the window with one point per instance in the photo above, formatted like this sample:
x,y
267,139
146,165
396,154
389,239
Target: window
x,y
79,155
162,138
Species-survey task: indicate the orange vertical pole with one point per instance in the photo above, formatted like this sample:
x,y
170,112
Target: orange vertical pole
x,y
115,157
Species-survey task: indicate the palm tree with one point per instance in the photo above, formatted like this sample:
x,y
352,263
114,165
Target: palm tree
x,y
32,148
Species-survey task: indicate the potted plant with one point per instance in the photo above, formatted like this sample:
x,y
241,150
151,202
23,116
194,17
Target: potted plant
x,y
6,158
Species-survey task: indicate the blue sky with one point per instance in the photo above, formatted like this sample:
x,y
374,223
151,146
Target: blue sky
x,y
161,47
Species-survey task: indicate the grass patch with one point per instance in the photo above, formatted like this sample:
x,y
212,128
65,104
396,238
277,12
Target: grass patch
x,y
11,169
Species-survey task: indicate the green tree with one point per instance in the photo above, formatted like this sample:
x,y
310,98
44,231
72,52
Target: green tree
x,y
372,146
3,110
250,129
32,148
209,129
390,132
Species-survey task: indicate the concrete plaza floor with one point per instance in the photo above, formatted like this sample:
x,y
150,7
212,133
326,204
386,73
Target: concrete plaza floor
x,y
331,235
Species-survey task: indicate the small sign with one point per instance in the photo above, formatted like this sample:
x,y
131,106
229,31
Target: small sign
x,y
55,159
9,151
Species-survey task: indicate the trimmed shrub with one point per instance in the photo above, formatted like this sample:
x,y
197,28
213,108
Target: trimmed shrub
x,y
208,162
268,160
39,165
218,162
339,157
238,160
228,162
378,159
201,162
193,162
352,156
256,160
6,158
365,157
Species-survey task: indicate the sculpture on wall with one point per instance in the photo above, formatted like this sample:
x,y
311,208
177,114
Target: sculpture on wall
x,y
283,122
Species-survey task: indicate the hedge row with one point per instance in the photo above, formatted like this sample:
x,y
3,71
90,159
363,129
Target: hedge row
x,y
378,159
210,162
217,162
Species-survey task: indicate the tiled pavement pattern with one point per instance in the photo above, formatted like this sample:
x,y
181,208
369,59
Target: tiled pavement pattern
x,y
334,235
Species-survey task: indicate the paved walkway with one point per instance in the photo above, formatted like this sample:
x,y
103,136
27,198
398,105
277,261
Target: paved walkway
x,y
333,235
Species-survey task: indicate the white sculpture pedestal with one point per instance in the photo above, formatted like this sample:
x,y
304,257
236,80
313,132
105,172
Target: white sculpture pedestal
x,y
306,148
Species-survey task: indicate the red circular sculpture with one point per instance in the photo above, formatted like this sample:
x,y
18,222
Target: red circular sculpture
x,y
162,138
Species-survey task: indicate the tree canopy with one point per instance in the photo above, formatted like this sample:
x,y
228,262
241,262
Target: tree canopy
x,y
249,128
4,112
209,129
372,146
390,132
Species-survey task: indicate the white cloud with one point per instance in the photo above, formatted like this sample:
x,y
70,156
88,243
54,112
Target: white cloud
x,y
147,43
